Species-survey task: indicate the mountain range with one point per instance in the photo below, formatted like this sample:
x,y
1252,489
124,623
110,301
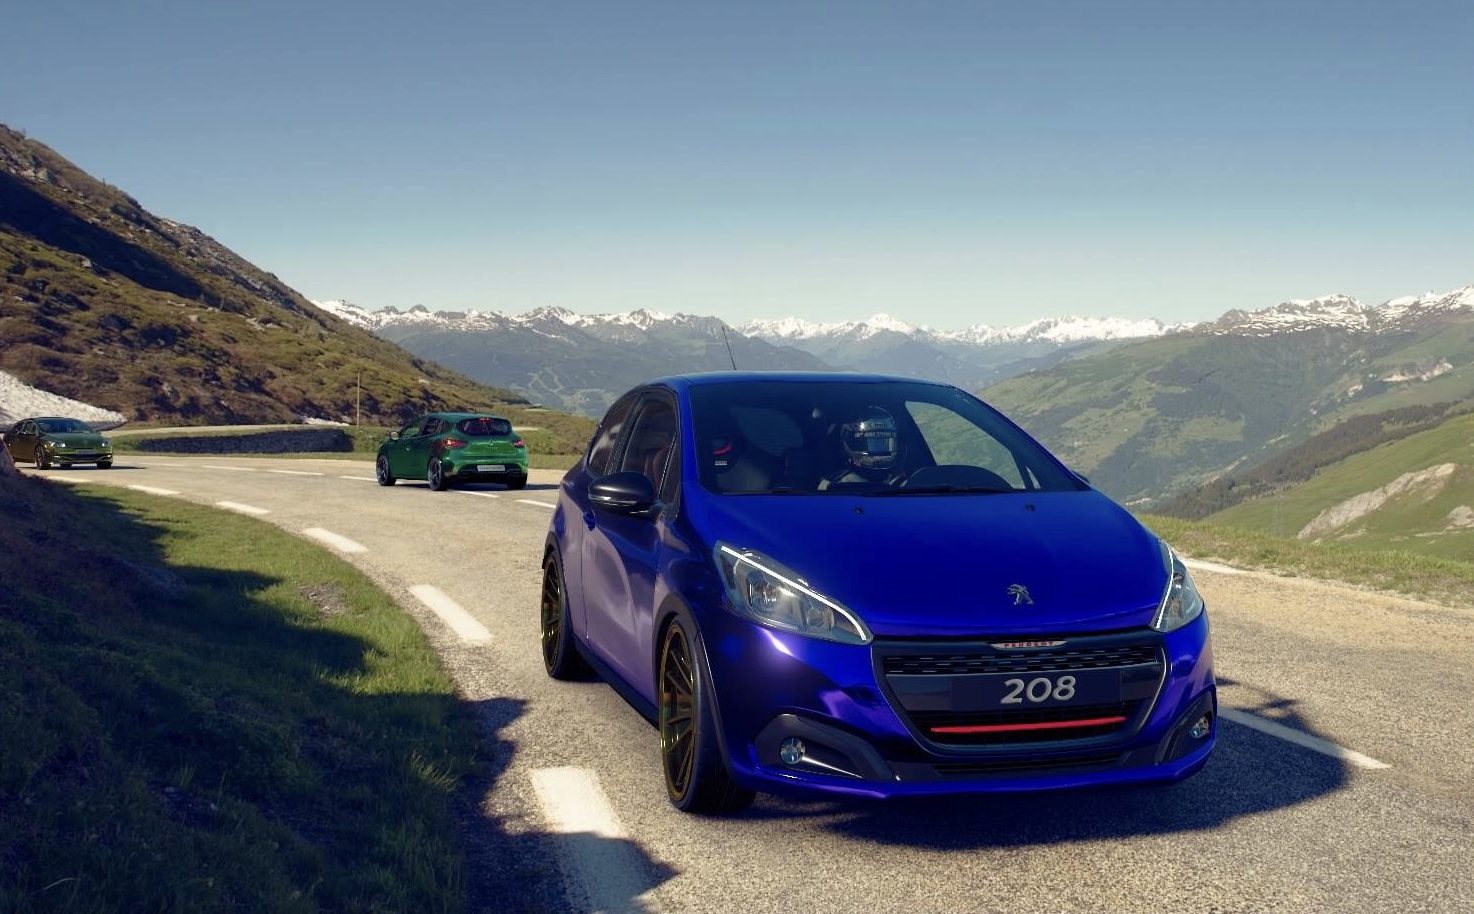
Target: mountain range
x,y
581,362
1147,409
1152,418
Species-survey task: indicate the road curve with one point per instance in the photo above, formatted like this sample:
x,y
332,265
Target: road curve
x,y
581,823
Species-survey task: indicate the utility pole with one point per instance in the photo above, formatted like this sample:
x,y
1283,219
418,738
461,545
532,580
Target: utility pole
x,y
358,402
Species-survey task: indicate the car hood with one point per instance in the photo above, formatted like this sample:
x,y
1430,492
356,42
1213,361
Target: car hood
x,y
75,439
945,565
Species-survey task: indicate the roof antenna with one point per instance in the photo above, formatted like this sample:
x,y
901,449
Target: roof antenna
x,y
729,347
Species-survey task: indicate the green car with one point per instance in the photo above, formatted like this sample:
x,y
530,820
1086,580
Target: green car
x,y
445,448
54,441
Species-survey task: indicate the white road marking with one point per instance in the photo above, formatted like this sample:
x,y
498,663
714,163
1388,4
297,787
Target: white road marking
x,y
609,871
153,490
540,504
360,478
244,509
212,466
337,541
294,472
1299,738
482,494
451,613
1214,567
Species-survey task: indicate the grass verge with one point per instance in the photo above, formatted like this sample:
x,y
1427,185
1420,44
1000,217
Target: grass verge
x,y
1425,577
200,714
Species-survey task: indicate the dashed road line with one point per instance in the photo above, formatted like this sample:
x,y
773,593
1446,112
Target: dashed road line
x,y
360,478
451,613
295,472
1300,738
540,504
481,494
243,509
153,490
214,466
336,540
609,871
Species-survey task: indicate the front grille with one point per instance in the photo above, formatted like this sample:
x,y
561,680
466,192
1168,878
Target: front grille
x,y
927,721
1026,661
958,685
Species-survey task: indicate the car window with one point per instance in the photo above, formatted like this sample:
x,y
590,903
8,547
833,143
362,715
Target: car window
x,y
28,428
485,427
411,430
433,426
881,437
607,436
953,440
63,426
652,441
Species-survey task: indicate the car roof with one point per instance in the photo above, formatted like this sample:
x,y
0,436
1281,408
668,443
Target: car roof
x,y
709,378
459,416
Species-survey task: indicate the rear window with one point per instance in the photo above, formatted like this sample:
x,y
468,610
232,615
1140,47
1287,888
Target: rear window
x,y
485,427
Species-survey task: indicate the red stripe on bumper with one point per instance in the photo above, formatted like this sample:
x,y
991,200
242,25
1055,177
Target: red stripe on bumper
x,y
1046,725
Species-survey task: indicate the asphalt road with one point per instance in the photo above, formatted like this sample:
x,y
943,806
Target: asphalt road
x,y
1377,815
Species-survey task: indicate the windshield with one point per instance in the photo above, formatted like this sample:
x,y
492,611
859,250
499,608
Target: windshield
x,y
62,426
485,427
885,438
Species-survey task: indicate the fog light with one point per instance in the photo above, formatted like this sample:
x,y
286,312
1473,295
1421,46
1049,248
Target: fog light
x,y
792,751
1201,727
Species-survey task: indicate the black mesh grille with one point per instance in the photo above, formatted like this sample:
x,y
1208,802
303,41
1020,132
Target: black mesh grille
x,y
1025,661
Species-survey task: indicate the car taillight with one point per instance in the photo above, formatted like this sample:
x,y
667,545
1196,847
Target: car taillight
x,y
454,442
519,443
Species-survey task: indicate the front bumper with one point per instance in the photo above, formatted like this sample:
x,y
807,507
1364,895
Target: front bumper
x,y
463,468
859,737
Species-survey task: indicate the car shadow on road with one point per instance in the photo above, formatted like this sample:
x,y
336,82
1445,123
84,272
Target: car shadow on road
x,y
1249,773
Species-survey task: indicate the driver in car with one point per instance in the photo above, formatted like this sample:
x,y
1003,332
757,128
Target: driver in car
x,y
872,447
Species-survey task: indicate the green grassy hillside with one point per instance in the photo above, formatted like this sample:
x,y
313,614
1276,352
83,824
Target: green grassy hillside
x,y
193,726
104,302
1166,415
1415,493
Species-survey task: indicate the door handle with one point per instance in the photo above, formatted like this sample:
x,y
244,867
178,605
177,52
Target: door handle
x,y
588,519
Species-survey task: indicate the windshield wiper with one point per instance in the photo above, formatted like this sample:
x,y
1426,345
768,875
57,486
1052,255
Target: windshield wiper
x,y
941,490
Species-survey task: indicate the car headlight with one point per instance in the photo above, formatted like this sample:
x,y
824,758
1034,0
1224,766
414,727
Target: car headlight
x,y
105,443
764,591
1181,603
59,444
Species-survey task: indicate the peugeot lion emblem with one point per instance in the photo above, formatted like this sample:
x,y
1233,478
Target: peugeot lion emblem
x,y
1020,595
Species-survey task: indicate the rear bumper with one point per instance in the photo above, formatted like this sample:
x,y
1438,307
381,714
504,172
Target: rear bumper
x,y
858,741
468,468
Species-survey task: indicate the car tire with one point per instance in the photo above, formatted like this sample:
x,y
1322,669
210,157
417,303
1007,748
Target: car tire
x,y
435,475
42,461
561,658
381,471
519,483
104,464
696,776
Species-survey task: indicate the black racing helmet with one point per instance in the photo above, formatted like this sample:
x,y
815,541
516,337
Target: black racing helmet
x,y
871,440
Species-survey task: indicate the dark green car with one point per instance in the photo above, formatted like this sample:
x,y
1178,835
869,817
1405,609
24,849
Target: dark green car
x,y
446,448
54,441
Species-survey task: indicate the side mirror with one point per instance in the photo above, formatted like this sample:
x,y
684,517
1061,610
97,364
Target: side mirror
x,y
1081,476
627,493
394,436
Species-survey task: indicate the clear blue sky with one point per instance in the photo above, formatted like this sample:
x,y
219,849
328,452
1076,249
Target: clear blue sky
x,y
949,163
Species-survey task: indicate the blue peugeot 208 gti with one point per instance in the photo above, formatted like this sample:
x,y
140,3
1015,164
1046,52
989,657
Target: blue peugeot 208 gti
x,y
868,586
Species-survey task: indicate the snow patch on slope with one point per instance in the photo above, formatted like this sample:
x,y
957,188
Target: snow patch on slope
x,y
21,401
